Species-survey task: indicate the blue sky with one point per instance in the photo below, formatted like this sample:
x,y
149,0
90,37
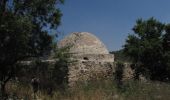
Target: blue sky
x,y
110,20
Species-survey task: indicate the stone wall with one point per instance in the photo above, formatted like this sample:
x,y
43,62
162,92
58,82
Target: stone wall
x,y
89,70
128,72
95,57
92,59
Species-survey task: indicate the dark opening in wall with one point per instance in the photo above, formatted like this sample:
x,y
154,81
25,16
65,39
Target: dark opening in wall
x,y
85,58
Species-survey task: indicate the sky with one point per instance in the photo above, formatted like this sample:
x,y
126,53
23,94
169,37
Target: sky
x,y
110,20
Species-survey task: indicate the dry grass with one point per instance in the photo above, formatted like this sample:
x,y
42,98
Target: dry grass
x,y
99,90
147,91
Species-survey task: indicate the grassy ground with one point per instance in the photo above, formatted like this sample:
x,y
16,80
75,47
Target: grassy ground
x,y
100,90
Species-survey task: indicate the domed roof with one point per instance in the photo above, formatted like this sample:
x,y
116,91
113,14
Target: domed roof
x,y
83,43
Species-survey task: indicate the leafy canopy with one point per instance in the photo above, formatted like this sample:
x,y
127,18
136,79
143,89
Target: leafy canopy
x,y
24,27
147,47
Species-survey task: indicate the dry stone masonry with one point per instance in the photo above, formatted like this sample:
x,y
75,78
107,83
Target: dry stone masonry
x,y
93,60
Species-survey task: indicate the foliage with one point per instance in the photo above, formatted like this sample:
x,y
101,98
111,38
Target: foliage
x,y
43,72
52,74
24,27
60,71
147,47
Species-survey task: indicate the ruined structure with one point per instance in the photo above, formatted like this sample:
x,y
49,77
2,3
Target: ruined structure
x,y
93,60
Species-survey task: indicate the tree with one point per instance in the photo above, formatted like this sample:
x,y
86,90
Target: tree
x,y
24,27
60,70
146,49
166,45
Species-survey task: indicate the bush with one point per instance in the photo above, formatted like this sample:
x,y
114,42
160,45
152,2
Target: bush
x,y
119,69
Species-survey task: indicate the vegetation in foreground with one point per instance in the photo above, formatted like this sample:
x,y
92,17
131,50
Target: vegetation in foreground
x,y
98,90
24,33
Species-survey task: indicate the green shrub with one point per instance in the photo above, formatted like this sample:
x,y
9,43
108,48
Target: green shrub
x,y
119,73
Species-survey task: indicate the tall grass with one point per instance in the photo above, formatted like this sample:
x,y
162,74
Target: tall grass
x,y
137,90
99,90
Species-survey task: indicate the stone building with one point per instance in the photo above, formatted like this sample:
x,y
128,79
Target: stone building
x,y
93,60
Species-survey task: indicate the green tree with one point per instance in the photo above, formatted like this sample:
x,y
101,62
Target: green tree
x,y
60,71
166,38
166,45
24,27
146,49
